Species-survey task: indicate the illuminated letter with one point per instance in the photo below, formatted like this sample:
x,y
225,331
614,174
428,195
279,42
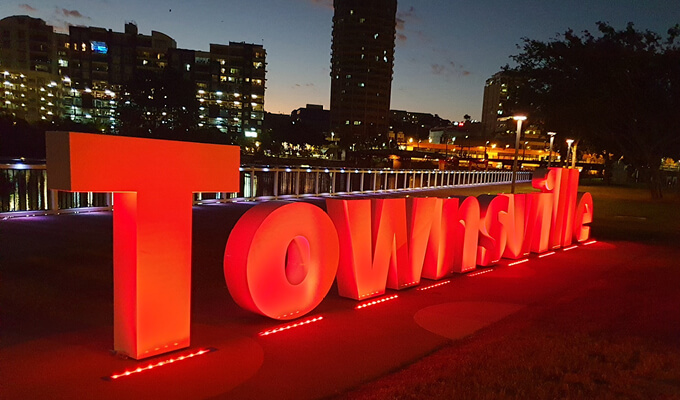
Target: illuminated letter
x,y
539,214
517,224
390,239
569,192
420,220
359,275
466,236
281,258
493,229
439,255
562,184
153,181
584,215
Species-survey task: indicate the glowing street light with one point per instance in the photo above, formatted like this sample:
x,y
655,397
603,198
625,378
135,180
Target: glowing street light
x,y
519,119
569,142
552,139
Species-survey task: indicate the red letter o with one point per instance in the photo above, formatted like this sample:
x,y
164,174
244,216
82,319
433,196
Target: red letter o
x,y
281,258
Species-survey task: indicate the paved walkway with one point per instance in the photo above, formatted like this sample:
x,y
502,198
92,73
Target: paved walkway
x,y
56,312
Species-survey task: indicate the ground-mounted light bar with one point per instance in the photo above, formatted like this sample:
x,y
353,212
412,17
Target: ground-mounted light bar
x,y
518,262
290,326
570,248
369,294
589,243
374,302
551,253
159,364
435,285
486,271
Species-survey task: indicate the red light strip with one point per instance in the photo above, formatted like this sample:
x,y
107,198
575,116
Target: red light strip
x,y
160,364
434,286
480,273
290,326
374,302
368,295
547,254
591,242
518,262
569,248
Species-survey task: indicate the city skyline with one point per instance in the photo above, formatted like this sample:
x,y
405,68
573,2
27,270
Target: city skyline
x,y
444,53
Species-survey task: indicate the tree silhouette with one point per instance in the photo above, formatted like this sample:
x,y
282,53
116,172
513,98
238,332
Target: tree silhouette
x,y
619,91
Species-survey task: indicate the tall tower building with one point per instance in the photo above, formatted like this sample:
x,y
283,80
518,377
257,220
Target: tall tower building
x,y
500,97
362,62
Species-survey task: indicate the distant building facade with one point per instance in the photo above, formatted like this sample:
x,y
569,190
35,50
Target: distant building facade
x,y
500,99
414,124
362,63
31,62
499,105
87,75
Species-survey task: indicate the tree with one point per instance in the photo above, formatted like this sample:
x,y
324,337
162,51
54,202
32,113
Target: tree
x,y
617,91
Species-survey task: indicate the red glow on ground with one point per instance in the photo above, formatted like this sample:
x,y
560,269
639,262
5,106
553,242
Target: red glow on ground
x,y
160,364
374,302
434,286
547,254
518,262
480,273
589,243
569,248
290,326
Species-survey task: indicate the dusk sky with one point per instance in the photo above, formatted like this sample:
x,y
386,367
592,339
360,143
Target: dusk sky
x,y
445,49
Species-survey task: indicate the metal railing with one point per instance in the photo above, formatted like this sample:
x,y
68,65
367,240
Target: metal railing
x,y
23,188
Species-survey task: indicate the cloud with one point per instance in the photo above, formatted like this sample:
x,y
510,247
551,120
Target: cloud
x,y
449,69
59,25
438,69
27,8
70,13
404,17
307,85
323,3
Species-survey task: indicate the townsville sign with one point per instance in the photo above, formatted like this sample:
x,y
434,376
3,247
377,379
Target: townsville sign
x,y
281,258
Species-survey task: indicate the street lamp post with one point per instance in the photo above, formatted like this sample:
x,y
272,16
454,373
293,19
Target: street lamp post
x,y
569,142
519,119
552,138
524,151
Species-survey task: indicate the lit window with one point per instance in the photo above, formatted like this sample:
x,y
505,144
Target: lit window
x,y
357,122
362,20
375,36
362,84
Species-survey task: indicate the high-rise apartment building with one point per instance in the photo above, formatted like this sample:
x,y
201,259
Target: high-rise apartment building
x,y
31,61
88,74
500,97
362,62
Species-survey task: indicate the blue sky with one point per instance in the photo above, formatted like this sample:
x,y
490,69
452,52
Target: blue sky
x,y
445,49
